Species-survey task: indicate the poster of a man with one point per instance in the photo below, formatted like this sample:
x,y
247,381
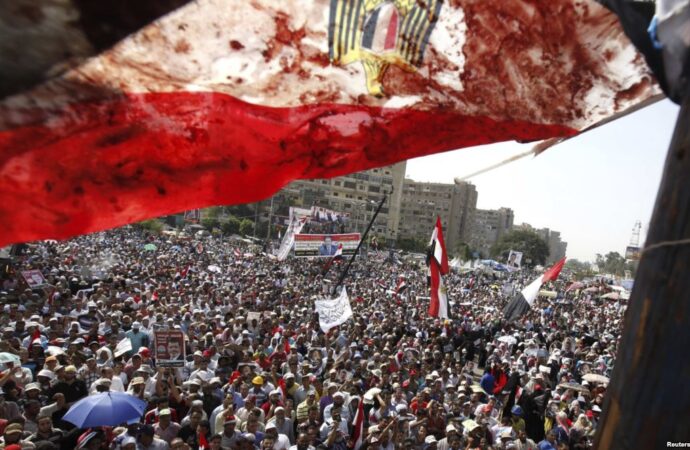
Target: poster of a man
x,y
327,247
170,350
515,259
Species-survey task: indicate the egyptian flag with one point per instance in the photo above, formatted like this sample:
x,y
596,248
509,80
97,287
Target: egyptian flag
x,y
400,287
337,256
238,98
358,426
437,259
522,302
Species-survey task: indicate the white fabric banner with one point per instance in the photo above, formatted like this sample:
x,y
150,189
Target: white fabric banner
x,y
288,241
333,312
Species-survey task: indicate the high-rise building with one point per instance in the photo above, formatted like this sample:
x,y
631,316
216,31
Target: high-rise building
x,y
356,194
488,227
422,202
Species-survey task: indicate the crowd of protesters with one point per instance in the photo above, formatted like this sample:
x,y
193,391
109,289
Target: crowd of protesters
x,y
279,382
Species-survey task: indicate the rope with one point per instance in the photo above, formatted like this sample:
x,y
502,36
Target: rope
x,y
666,244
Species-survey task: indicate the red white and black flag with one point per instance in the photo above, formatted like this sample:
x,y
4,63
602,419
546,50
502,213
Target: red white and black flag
x,y
237,98
521,303
400,287
437,260
337,257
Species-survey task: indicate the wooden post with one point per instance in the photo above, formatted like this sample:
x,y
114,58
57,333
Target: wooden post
x,y
648,401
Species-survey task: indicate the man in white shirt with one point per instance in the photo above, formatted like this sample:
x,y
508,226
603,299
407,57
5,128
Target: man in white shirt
x,y
116,384
281,441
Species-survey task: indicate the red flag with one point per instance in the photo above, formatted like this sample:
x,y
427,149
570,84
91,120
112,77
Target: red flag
x,y
358,431
203,442
553,272
438,247
522,302
35,335
337,256
239,98
438,266
283,388
400,287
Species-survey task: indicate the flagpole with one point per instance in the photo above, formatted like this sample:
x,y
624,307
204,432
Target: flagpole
x,y
648,386
359,245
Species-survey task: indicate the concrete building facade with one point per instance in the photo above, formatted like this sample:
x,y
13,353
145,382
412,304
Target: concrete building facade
x,y
423,202
488,227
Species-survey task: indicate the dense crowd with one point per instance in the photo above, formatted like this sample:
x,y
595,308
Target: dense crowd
x,y
279,382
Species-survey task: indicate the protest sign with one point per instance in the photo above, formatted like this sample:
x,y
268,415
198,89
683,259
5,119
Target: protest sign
x,y
34,278
333,312
170,350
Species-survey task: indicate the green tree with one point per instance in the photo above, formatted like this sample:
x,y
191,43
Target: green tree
x,y
152,225
463,251
532,246
246,227
614,263
244,210
210,223
579,269
416,245
231,225
213,212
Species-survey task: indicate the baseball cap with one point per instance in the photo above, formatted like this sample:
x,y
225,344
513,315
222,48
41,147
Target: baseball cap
x,y
13,428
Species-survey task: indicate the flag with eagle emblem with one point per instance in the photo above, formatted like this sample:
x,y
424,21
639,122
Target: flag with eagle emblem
x,y
379,33
226,101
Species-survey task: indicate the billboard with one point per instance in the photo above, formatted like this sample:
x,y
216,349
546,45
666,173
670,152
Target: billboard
x,y
325,245
169,345
632,252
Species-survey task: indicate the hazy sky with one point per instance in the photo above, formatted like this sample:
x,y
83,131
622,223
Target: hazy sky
x,y
591,188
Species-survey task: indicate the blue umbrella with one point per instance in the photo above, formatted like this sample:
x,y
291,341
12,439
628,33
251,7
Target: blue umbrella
x,y
105,409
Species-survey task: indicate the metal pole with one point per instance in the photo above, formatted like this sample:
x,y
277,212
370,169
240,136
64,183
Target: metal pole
x,y
256,215
270,218
359,245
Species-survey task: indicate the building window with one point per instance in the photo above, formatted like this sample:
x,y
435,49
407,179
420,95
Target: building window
x,y
374,188
350,185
